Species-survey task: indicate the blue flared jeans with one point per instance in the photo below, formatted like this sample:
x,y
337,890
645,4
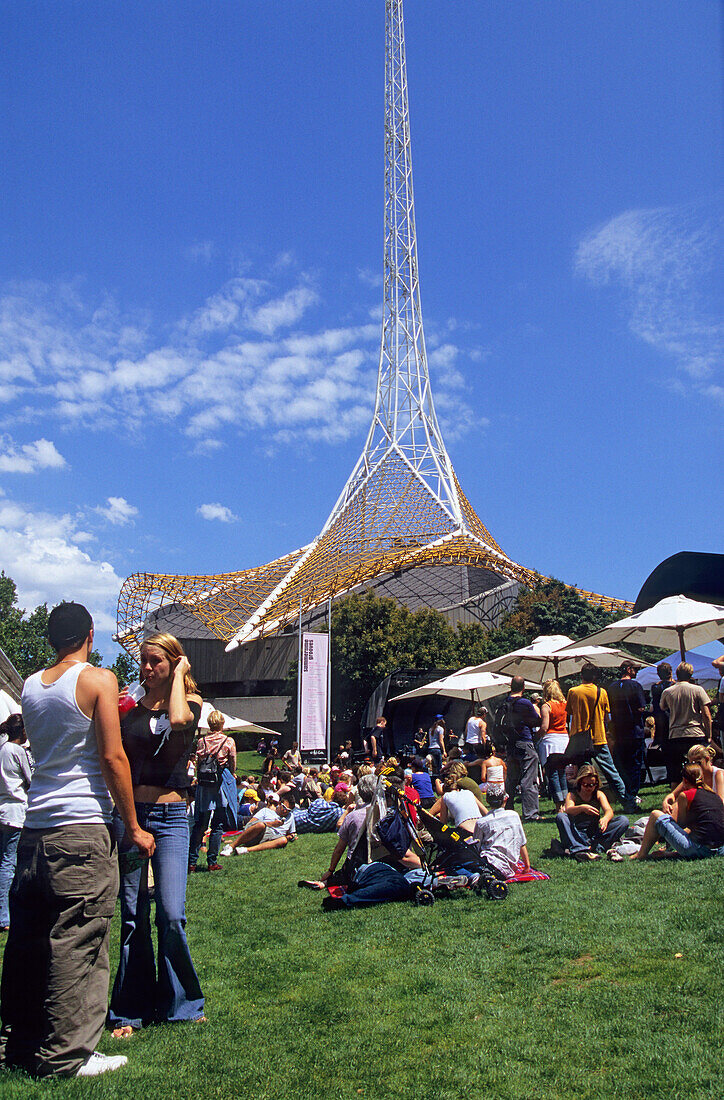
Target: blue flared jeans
x,y
143,993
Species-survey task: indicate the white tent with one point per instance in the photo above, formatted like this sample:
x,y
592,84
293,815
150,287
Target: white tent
x,y
468,684
231,723
704,672
8,706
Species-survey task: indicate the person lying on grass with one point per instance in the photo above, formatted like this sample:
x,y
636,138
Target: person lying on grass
x,y
704,756
586,824
272,827
322,816
697,831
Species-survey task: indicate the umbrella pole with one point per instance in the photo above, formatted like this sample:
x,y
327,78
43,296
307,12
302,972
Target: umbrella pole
x,y
682,647
555,666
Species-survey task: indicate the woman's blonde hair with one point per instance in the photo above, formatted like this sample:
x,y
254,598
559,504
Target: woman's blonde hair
x,y
173,649
455,772
552,690
215,721
696,752
586,772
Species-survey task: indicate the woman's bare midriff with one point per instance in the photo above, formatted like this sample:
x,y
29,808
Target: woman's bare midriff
x,y
146,793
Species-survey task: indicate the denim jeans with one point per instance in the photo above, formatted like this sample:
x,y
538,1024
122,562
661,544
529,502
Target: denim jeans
x,y
683,843
630,757
199,827
436,755
9,837
601,755
377,882
555,772
582,833
140,996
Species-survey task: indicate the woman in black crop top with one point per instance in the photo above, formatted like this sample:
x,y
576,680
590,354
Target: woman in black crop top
x,y
158,736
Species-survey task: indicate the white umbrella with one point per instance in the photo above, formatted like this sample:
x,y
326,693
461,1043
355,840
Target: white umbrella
x,y
466,684
8,705
675,620
553,655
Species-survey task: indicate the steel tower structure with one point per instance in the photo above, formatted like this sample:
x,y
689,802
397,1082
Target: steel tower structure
x,y
402,506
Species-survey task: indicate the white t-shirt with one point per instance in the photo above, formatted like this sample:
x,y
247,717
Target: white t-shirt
x,y
273,832
501,837
15,776
437,733
461,805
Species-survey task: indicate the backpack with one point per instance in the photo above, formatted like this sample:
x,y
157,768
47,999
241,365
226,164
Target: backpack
x,y
393,833
208,772
507,730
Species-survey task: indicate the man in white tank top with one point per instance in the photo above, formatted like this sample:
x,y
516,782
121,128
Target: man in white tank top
x,y
54,993
474,731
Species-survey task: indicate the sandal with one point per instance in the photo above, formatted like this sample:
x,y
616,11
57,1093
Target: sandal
x,y
124,1032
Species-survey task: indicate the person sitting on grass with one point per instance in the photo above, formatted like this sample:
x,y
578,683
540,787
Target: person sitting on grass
x,y
374,873
422,782
586,824
500,835
322,816
459,806
704,756
493,768
271,827
695,830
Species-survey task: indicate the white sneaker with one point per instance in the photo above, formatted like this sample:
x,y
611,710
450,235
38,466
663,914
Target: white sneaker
x,y
101,1063
240,851
227,850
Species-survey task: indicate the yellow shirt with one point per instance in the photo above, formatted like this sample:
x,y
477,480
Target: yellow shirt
x,y
580,703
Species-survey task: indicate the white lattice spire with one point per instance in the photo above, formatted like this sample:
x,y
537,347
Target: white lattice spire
x,y
404,421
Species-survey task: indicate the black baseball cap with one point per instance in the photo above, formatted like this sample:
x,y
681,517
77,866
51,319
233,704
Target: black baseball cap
x,y
69,624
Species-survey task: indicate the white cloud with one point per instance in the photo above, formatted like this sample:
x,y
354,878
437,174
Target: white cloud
x,y
117,511
282,312
247,358
662,258
39,551
201,251
369,278
216,512
31,457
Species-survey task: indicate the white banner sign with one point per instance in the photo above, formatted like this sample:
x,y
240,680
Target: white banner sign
x,y
313,710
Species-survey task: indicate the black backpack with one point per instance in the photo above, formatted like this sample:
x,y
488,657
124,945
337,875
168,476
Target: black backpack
x,y
507,725
208,772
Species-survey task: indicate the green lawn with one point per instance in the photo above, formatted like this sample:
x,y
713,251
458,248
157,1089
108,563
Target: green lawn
x,y
568,989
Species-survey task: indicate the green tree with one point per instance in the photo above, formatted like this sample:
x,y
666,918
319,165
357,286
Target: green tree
x,y
23,637
125,668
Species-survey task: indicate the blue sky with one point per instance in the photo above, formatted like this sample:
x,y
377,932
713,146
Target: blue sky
x,y
190,278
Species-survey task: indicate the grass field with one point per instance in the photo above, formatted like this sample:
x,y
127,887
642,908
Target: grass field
x,y
604,982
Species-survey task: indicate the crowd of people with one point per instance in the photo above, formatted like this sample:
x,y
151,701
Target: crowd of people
x,y
102,797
